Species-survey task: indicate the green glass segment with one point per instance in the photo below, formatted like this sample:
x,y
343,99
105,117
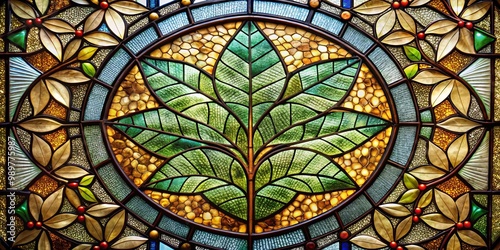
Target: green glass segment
x,y
482,39
250,123
476,211
18,38
426,132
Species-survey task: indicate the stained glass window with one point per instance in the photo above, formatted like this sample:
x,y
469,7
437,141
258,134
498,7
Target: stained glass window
x,y
249,124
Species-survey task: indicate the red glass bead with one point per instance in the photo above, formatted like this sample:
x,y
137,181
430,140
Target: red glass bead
x,y
418,211
29,22
396,5
38,21
469,25
96,248
310,245
467,224
80,209
78,33
38,224
104,5
400,248
415,219
421,35
459,225
30,224
103,245
344,235
393,245
73,185
404,3
80,218
422,187
461,24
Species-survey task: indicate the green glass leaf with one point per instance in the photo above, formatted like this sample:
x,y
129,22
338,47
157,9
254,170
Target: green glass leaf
x,y
87,194
249,76
476,211
412,53
281,176
409,196
22,211
216,175
411,71
332,134
482,39
410,181
18,38
86,180
88,68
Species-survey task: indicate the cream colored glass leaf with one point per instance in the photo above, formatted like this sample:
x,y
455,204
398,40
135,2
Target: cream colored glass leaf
x,y
368,242
419,2
61,155
463,205
94,227
128,7
39,97
101,39
72,197
71,172
447,44
427,173
58,91
403,228
41,150
52,204
129,242
70,76
460,97
101,210
437,156
476,11
93,21
44,242
372,7
58,26
383,226
42,5
22,9
458,124
395,210
35,204
40,125
71,49
385,23
425,199
26,236
398,38
441,91
52,43
60,220
458,150
114,226
115,23
446,205
453,243
466,41
430,77
472,238
441,27
437,221
457,6
406,21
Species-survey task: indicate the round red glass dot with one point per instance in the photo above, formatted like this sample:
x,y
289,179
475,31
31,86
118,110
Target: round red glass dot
x,y
80,218
418,211
78,33
104,5
38,21
344,235
73,185
459,225
404,3
469,25
467,224
415,219
393,245
96,248
80,209
38,224
461,24
396,5
421,35
103,245
400,248
422,187
30,224
310,245
29,22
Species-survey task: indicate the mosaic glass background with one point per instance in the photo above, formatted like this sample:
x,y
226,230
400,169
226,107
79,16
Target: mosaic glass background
x,y
249,124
